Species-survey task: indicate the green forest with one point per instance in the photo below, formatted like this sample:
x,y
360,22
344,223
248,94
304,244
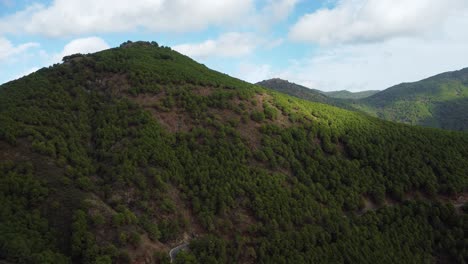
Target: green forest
x,y
115,157
440,101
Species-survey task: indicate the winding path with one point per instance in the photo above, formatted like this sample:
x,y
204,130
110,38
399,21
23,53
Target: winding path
x,y
173,253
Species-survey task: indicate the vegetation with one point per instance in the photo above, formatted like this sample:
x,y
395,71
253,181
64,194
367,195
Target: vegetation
x,y
113,157
440,101
296,90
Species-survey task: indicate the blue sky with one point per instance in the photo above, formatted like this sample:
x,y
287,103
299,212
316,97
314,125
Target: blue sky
x,y
329,45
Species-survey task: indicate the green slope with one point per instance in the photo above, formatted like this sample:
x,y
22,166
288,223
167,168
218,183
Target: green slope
x,y
440,101
115,157
296,90
350,95
303,92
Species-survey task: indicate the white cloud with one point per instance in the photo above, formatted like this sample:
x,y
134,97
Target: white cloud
x,y
233,44
81,45
254,73
375,44
377,65
277,10
24,63
26,72
7,49
274,43
73,17
352,21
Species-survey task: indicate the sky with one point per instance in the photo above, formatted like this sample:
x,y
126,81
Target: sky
x,y
329,45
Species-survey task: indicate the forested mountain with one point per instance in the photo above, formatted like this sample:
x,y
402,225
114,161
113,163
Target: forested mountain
x,y
119,156
439,101
343,94
293,89
303,92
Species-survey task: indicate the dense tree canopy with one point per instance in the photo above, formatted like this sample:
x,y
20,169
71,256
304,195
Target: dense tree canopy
x,y
115,156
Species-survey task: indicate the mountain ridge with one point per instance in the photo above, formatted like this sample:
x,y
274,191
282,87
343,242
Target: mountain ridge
x,y
439,101
300,91
344,94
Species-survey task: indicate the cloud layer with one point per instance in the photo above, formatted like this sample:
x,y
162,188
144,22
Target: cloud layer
x,y
376,66
20,56
233,44
82,45
352,21
7,49
74,17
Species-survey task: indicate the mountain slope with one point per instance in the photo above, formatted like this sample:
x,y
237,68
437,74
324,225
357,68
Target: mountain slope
x,y
118,156
293,89
350,95
303,92
440,101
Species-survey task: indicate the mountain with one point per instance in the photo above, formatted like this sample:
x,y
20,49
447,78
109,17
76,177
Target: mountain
x,y
439,101
293,89
350,95
303,92
122,155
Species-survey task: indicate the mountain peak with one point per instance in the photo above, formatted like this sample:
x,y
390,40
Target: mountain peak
x,y
129,44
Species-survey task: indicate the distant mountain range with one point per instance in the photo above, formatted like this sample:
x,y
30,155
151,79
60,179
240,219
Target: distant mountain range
x,y
303,92
350,95
440,101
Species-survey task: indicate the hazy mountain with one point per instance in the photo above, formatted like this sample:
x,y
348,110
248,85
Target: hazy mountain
x,y
121,155
343,94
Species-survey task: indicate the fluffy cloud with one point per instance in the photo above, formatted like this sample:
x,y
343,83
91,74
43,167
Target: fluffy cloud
x,y
7,49
280,9
82,45
24,63
276,10
376,65
26,72
375,20
254,73
374,44
72,17
232,44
